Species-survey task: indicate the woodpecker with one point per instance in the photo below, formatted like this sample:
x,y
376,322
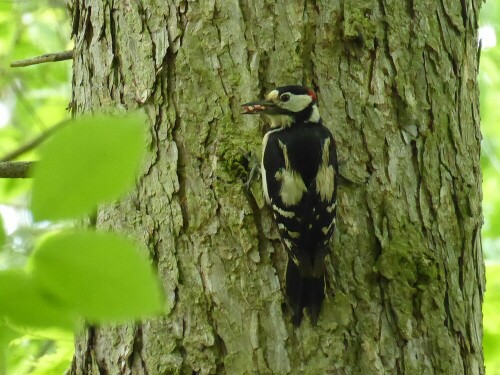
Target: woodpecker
x,y
299,176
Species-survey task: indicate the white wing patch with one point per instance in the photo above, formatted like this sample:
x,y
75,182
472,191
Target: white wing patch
x,y
292,185
325,177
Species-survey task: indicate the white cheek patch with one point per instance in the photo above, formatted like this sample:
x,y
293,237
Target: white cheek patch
x,y
325,178
297,103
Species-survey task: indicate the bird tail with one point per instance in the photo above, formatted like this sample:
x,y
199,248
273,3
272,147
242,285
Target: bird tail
x,y
304,292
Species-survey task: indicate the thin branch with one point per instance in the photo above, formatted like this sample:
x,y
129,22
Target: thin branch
x,y
49,57
34,143
15,169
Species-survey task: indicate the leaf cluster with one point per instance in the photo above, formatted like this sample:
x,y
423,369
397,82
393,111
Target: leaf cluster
x,y
76,275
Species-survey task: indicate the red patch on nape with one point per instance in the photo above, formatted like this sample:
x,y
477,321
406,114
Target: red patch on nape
x,y
312,94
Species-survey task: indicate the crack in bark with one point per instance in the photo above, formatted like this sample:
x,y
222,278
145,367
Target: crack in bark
x,y
449,17
306,47
88,31
116,64
476,235
138,345
181,161
385,41
314,41
427,92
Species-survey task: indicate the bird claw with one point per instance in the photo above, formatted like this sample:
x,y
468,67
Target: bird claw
x,y
251,176
253,167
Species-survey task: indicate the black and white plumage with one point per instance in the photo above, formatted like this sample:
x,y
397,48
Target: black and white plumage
x,y
299,174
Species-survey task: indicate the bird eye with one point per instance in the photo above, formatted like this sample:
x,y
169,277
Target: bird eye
x,y
285,97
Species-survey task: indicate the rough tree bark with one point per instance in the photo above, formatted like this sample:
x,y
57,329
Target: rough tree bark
x,y
397,83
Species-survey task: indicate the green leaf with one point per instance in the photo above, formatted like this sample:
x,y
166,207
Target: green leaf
x,y
24,303
101,276
39,351
86,163
49,355
7,334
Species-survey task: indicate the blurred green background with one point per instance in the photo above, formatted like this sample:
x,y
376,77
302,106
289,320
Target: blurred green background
x,y
489,82
32,99
35,98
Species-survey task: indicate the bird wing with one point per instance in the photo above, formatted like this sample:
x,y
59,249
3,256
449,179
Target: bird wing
x,y
301,191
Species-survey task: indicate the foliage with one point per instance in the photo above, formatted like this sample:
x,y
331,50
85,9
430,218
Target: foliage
x,y
71,275
2,233
31,100
34,98
76,275
44,352
25,304
88,162
489,80
101,276
65,158
491,325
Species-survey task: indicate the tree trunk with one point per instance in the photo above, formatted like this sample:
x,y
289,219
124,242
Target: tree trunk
x,y
397,87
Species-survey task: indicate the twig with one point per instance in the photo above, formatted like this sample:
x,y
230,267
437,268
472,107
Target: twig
x,y
15,169
49,57
34,143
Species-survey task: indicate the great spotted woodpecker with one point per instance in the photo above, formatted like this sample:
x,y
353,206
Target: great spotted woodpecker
x,y
299,177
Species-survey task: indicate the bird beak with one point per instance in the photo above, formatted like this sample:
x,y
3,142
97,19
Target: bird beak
x,y
261,107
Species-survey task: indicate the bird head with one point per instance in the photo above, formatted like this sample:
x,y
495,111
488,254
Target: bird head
x,y
297,103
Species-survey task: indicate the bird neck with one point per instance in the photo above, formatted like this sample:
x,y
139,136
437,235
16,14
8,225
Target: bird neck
x,y
314,116
308,115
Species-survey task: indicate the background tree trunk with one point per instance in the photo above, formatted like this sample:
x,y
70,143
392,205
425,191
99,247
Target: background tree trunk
x,y
397,83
